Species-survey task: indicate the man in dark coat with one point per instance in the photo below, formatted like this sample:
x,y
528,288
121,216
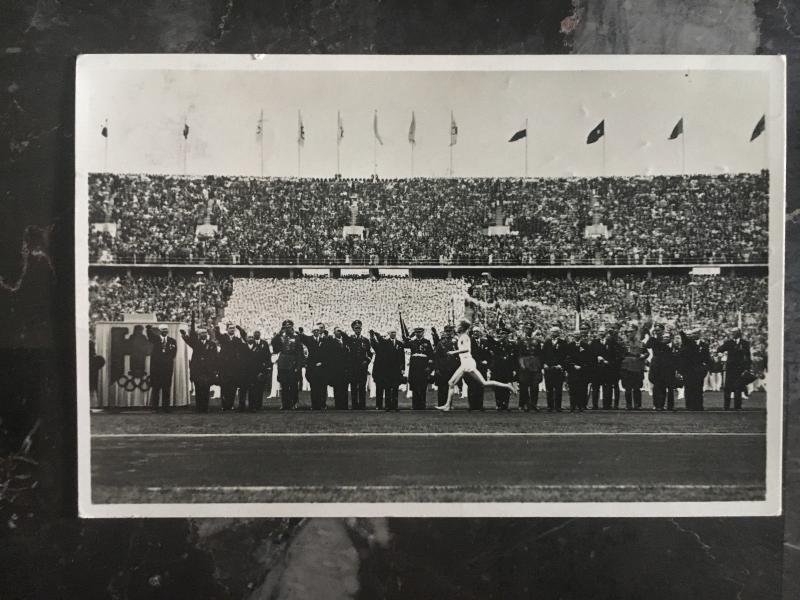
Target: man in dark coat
x,y
419,368
289,363
162,366
231,365
662,368
315,365
634,359
203,365
96,363
694,360
604,350
503,366
739,360
553,361
579,361
360,353
256,371
336,360
482,356
387,371
444,363
529,368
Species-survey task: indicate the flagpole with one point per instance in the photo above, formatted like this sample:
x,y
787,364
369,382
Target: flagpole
x,y
298,157
105,149
451,159
374,155
604,149
526,147
261,135
412,160
683,146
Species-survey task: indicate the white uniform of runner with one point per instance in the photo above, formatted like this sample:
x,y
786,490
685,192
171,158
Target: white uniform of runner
x,y
467,362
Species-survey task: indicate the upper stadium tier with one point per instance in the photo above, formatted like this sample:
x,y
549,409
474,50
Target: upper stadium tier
x,y
657,220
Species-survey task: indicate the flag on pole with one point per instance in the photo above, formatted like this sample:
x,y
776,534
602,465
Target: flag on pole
x,y
759,128
104,130
677,130
301,131
596,133
339,128
186,131
412,130
375,127
522,133
404,333
453,130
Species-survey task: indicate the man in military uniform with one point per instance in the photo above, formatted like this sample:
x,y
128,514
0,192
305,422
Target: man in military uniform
x,y
360,354
553,357
203,365
419,367
231,365
632,367
503,366
482,356
290,362
529,368
579,360
444,363
315,365
162,365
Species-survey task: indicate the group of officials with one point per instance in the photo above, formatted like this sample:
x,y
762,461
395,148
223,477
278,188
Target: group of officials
x,y
601,366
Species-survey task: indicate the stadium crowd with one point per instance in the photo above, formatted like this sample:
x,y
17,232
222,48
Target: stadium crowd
x,y
653,220
676,331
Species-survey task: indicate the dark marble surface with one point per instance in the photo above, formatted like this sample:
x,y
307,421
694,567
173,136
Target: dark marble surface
x,y
46,552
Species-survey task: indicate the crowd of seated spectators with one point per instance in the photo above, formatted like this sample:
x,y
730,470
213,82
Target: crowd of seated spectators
x,y
658,219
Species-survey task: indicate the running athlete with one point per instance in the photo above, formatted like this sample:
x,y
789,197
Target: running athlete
x,y
467,367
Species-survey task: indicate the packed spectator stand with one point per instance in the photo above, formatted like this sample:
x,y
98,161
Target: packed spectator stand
x,y
697,219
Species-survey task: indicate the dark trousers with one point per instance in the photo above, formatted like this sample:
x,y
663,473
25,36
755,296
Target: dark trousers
x,y
339,395
633,398
693,392
159,393
228,388
578,391
501,398
289,389
358,392
615,391
554,384
202,393
441,391
661,393
419,390
601,384
319,389
474,393
529,394
736,393
385,396
255,395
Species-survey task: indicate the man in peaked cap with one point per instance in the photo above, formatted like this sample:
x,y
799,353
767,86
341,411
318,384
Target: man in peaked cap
x,y
360,357
419,367
553,361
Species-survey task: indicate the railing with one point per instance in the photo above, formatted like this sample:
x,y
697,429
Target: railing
x,y
377,262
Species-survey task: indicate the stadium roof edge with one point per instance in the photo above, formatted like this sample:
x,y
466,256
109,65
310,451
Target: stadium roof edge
x,y
437,267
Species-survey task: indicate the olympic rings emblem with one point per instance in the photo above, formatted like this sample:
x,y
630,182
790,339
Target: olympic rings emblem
x,y
131,383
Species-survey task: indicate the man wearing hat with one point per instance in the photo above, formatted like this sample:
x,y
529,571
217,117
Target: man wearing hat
x,y
336,360
602,373
419,367
694,360
162,365
579,362
444,363
203,366
662,368
634,361
529,370
553,360
257,369
482,356
290,363
387,372
739,361
503,366
360,357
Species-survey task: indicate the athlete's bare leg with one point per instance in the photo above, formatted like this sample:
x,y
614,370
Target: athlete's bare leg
x,y
478,376
451,389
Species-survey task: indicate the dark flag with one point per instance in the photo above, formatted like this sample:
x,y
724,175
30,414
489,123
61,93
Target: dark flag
x,y
596,133
404,333
677,130
186,131
759,128
522,133
104,131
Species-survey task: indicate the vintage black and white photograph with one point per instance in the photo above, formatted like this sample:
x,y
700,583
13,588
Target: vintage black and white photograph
x,y
433,286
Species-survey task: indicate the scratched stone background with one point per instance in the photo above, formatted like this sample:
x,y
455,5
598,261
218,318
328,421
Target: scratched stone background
x,y
46,552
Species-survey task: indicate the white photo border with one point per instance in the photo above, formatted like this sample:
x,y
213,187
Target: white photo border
x,y
773,66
